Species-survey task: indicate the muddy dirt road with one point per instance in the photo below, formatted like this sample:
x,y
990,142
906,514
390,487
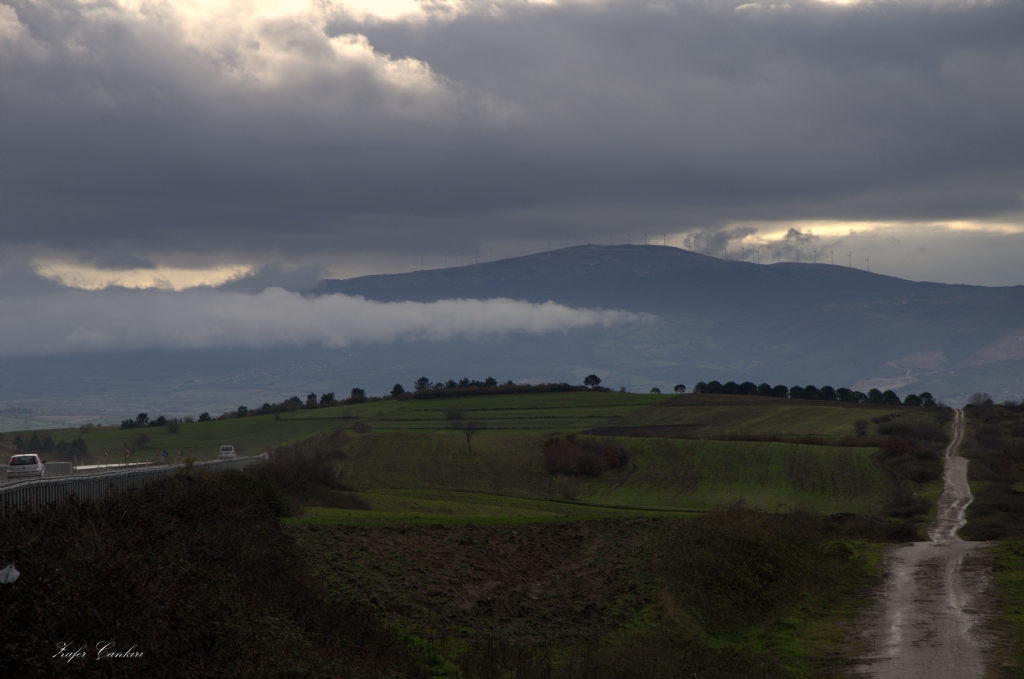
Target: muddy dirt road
x,y
928,622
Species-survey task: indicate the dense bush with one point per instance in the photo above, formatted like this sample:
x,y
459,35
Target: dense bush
x,y
308,473
909,460
996,452
903,504
198,575
582,457
997,513
925,431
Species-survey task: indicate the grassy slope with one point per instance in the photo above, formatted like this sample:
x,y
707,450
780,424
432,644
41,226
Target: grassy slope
x,y
414,469
523,414
530,413
731,594
662,473
412,446
723,415
426,507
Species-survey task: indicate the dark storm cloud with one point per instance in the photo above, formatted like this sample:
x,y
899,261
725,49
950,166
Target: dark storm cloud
x,y
124,133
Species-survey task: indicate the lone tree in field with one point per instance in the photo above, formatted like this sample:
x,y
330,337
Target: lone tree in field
x,y
469,430
397,390
655,390
592,381
679,388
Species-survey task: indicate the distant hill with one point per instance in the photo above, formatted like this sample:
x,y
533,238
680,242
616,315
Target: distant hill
x,y
724,319
713,319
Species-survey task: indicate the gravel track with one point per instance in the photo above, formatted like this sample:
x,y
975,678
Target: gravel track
x,y
928,620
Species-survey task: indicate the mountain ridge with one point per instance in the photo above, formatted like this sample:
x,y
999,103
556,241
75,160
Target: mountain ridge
x,y
802,306
705,319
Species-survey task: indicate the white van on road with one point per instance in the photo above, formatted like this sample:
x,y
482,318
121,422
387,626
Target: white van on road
x,y
227,452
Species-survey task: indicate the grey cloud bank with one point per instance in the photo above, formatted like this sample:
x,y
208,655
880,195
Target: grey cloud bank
x,y
74,322
316,137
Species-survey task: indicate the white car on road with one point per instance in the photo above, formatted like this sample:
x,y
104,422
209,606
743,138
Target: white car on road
x,y
227,452
27,464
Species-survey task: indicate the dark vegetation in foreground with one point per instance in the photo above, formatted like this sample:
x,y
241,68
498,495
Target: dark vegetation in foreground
x,y
994,443
735,593
197,574
201,575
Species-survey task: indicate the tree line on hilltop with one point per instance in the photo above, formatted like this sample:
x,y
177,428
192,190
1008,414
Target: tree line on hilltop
x,y
422,388
813,393
47,446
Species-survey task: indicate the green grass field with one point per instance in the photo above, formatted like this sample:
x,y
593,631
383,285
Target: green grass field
x,y
472,544
426,507
413,444
700,416
661,473
707,416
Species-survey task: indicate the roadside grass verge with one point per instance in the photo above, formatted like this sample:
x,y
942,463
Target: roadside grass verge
x,y
1008,570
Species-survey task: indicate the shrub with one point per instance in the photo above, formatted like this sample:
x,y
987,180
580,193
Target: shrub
x,y
921,432
308,473
361,427
979,399
583,457
904,505
997,513
989,437
908,460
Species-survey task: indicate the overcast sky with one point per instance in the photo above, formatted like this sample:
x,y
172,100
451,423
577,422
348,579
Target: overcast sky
x,y
177,144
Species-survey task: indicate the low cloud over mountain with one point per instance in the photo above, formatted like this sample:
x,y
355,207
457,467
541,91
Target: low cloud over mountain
x,y
112,321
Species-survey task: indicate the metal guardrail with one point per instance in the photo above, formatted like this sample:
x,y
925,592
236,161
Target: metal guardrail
x,y
38,493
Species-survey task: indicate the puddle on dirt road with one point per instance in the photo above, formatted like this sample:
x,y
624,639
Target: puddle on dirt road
x,y
929,618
